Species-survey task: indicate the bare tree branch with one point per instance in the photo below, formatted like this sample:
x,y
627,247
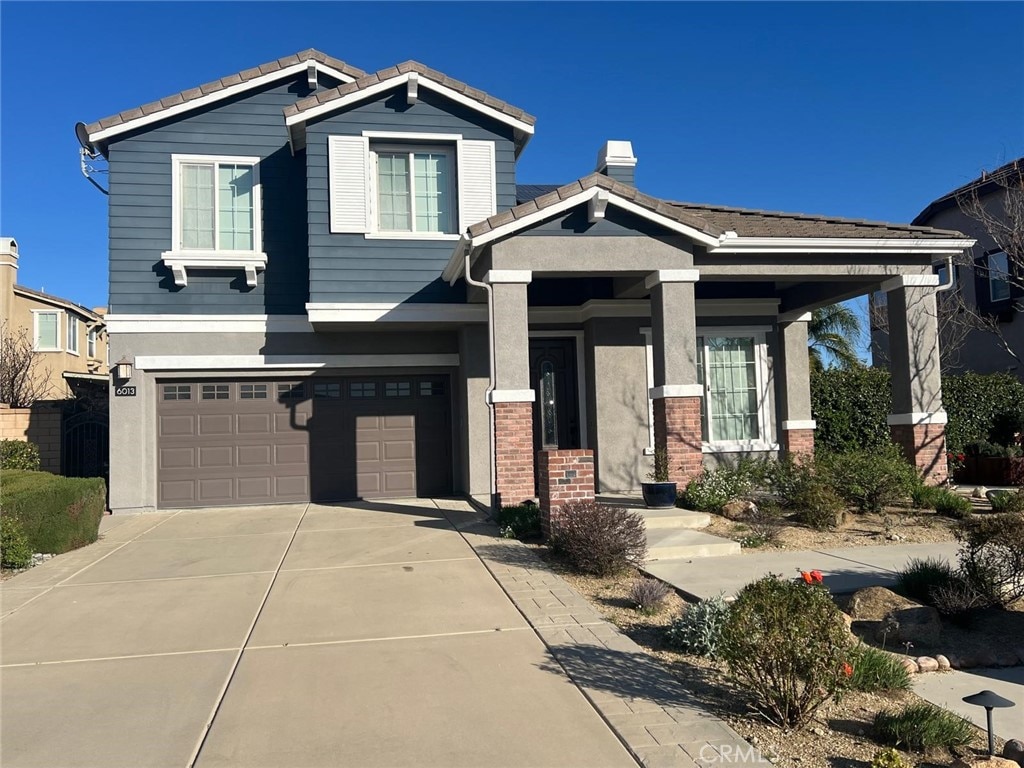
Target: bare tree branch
x,y
22,381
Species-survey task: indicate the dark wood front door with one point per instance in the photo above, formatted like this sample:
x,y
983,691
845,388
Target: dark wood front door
x,y
553,376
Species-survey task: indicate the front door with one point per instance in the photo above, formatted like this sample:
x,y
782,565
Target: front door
x,y
553,376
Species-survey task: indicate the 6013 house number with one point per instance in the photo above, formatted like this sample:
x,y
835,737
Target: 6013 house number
x,y
124,391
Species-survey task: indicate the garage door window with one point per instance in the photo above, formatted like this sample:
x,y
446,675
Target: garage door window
x,y
216,391
323,391
397,388
177,392
431,388
362,389
291,392
253,391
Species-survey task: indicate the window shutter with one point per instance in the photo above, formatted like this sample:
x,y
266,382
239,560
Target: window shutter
x,y
349,170
477,195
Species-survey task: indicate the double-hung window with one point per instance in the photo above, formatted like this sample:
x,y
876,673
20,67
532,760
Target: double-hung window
x,y
90,341
998,276
415,189
47,330
72,327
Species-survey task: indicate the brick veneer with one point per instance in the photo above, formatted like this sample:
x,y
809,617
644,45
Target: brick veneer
x,y
677,430
513,433
925,446
562,476
798,442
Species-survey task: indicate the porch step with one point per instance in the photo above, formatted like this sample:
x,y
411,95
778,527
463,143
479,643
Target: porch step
x,y
684,543
675,518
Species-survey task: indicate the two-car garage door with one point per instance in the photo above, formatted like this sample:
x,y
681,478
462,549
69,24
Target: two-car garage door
x,y
258,441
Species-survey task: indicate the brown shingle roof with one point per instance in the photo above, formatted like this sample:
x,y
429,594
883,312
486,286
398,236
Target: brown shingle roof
x,y
1011,173
225,82
85,312
324,97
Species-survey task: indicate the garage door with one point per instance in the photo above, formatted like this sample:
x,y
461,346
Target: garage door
x,y
326,438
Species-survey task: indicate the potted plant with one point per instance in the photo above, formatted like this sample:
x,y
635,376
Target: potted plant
x,y
659,493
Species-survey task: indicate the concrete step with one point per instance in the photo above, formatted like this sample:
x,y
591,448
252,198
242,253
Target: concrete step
x,y
683,543
675,518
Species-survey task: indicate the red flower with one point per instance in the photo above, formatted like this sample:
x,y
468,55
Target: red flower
x,y
811,577
960,457
818,578
807,577
847,669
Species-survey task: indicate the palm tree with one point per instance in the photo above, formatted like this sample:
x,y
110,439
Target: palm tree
x,y
833,335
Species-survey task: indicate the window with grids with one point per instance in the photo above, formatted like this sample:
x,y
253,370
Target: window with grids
x,y
47,331
998,276
216,391
397,388
291,391
326,390
431,388
177,391
217,202
252,391
415,189
728,369
362,389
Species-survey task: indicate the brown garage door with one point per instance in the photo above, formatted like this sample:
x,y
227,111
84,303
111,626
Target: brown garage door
x,y
325,438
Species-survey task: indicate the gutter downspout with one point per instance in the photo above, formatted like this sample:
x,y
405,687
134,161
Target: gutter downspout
x,y
950,278
493,375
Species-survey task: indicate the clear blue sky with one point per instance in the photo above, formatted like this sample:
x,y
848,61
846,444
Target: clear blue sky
x,y
868,110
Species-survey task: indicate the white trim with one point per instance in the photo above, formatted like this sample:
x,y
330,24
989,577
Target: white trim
x,y
92,338
396,313
412,136
675,390
597,206
35,330
85,376
581,374
378,235
123,324
412,93
758,334
373,203
512,396
233,362
799,424
648,336
917,417
71,324
211,98
179,263
795,317
739,446
402,79
910,281
672,276
731,243
517,276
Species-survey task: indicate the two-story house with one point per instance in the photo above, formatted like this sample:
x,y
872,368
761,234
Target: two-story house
x,y
327,284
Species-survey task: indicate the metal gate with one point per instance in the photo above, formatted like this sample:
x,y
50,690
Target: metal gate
x,y
85,443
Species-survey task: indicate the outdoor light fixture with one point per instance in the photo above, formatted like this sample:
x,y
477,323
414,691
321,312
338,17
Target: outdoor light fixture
x,y
123,370
989,701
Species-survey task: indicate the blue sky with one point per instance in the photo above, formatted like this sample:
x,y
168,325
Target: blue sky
x,y
869,110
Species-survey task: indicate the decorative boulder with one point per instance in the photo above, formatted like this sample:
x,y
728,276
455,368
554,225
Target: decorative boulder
x,y
918,625
984,761
944,663
927,664
980,492
911,666
739,509
875,603
1014,750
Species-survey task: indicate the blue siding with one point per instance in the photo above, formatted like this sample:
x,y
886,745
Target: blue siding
x,y
140,209
352,268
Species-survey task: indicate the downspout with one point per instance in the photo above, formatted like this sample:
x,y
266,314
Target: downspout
x,y
950,278
493,375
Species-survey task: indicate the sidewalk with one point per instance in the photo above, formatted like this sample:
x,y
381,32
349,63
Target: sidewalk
x,y
948,689
845,570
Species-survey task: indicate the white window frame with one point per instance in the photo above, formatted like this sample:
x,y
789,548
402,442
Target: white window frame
x,y
35,330
71,326
375,232
179,259
763,382
996,277
92,338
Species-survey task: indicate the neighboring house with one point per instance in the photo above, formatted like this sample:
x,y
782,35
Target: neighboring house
x,y
331,285
70,340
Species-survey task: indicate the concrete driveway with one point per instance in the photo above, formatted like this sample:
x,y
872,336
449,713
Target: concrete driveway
x,y
290,636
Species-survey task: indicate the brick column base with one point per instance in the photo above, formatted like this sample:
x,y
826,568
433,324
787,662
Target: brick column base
x,y
677,431
798,442
513,451
924,445
562,476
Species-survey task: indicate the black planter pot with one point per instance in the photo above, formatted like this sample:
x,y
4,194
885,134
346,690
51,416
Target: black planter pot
x,y
659,495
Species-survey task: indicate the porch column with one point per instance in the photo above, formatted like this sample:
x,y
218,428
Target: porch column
x,y
676,393
797,428
512,396
918,422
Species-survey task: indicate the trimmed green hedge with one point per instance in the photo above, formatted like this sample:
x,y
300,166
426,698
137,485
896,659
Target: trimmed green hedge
x,y
56,513
18,454
851,406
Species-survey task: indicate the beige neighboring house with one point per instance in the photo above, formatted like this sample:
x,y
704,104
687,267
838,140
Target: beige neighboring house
x,y
71,340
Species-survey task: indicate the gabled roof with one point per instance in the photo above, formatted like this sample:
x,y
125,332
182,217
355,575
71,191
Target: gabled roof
x,y
988,182
218,89
329,100
57,301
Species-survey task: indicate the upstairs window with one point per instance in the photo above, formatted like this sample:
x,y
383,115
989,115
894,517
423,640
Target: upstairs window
x,y
415,189
216,203
91,340
47,330
72,335
998,276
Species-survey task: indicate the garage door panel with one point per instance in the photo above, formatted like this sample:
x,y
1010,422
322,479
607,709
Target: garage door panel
x,y
400,483
216,457
177,458
291,487
255,455
250,488
216,424
177,425
253,424
285,422
180,492
399,450
213,490
291,455
367,450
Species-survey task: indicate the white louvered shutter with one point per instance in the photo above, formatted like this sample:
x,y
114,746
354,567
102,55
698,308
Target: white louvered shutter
x,y
477,195
349,170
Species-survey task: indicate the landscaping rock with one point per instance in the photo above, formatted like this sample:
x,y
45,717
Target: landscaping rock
x,y
944,663
739,509
927,664
918,625
981,492
1014,750
875,603
984,761
911,666
1006,659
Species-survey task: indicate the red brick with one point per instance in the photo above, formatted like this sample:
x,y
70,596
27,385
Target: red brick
x,y
924,445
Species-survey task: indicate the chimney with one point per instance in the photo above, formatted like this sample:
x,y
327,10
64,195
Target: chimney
x,y
616,160
8,275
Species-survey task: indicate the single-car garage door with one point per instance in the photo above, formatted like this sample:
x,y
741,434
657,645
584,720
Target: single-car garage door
x,y
224,442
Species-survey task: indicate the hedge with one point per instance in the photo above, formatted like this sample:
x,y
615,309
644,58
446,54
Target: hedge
x,y
18,454
851,406
56,514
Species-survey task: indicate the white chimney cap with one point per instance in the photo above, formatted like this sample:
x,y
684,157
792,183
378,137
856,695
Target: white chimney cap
x,y
8,245
616,153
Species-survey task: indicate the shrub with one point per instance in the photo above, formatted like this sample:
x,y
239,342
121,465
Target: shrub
x,y
818,506
949,504
598,538
888,758
875,670
1007,501
713,488
850,408
648,595
14,549
870,480
18,454
520,521
922,726
765,522
959,601
980,406
786,643
698,630
56,513
920,577
992,556
924,496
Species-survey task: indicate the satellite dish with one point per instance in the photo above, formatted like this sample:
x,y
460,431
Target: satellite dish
x,y
82,133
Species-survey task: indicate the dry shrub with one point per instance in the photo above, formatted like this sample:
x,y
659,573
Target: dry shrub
x,y
600,539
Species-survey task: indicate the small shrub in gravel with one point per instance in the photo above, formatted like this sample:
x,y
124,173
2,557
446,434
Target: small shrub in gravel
x,y
920,577
922,726
15,551
713,488
992,556
871,479
874,670
699,630
949,504
889,758
959,601
819,507
786,643
924,496
519,522
1004,502
600,539
648,595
